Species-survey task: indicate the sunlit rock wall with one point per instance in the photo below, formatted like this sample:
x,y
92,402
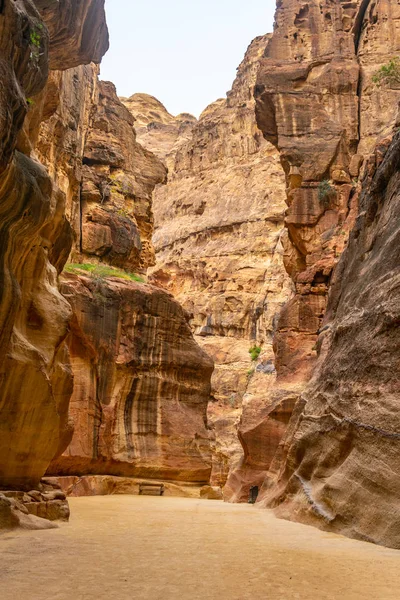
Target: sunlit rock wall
x,y
218,240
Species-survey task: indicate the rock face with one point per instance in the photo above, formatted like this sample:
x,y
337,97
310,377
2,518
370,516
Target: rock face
x,y
341,462
156,129
317,101
218,229
141,385
119,176
35,376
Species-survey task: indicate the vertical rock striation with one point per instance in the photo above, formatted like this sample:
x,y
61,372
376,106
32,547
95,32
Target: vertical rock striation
x,y
318,103
34,315
141,384
218,229
35,376
74,181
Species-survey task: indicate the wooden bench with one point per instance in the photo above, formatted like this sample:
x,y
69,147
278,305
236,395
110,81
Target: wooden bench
x,y
151,489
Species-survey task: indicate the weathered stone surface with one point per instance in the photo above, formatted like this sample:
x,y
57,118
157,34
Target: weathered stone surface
x,y
337,466
108,181
119,176
78,31
35,509
340,468
35,378
209,492
141,385
13,514
156,129
316,101
218,235
267,409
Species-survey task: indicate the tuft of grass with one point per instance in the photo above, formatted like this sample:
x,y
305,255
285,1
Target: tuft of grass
x,y
325,191
102,271
389,73
255,352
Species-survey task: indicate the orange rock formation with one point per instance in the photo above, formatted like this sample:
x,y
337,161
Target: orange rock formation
x,y
218,228
35,375
317,101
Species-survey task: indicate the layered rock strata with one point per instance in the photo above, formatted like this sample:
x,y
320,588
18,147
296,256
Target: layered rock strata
x,y
35,375
218,233
141,385
158,130
318,102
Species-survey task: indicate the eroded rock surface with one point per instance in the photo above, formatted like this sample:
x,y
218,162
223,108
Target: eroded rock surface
x,y
341,462
35,374
34,315
158,130
218,230
123,333
141,385
318,103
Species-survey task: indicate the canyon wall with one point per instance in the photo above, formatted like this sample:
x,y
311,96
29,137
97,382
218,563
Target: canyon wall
x,y
141,384
319,102
74,182
218,241
35,374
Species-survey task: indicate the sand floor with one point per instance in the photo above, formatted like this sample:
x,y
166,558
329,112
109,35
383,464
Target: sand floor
x,y
147,548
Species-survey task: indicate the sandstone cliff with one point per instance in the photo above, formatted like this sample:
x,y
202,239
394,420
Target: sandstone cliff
x,y
218,228
141,385
340,469
156,129
73,178
35,375
318,103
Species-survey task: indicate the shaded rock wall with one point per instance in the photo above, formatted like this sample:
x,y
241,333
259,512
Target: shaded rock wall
x,y
340,464
316,100
35,376
141,385
218,229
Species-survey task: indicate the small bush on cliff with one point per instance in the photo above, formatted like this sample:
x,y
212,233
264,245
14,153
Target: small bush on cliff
x,y
102,271
254,352
36,39
388,74
325,192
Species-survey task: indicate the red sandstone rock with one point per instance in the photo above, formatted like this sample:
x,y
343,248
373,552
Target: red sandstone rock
x,y
336,466
35,376
141,385
33,314
218,226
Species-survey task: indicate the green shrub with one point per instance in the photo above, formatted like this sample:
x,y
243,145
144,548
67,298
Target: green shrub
x,y
36,39
102,271
255,352
325,191
389,73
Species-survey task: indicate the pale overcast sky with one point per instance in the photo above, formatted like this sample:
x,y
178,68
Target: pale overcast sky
x,y
184,52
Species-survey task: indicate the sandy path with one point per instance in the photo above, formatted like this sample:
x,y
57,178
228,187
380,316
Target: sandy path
x,y
146,548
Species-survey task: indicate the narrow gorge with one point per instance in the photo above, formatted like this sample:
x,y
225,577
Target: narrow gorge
x,y
203,307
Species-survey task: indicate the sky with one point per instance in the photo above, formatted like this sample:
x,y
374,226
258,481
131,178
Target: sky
x,y
183,52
